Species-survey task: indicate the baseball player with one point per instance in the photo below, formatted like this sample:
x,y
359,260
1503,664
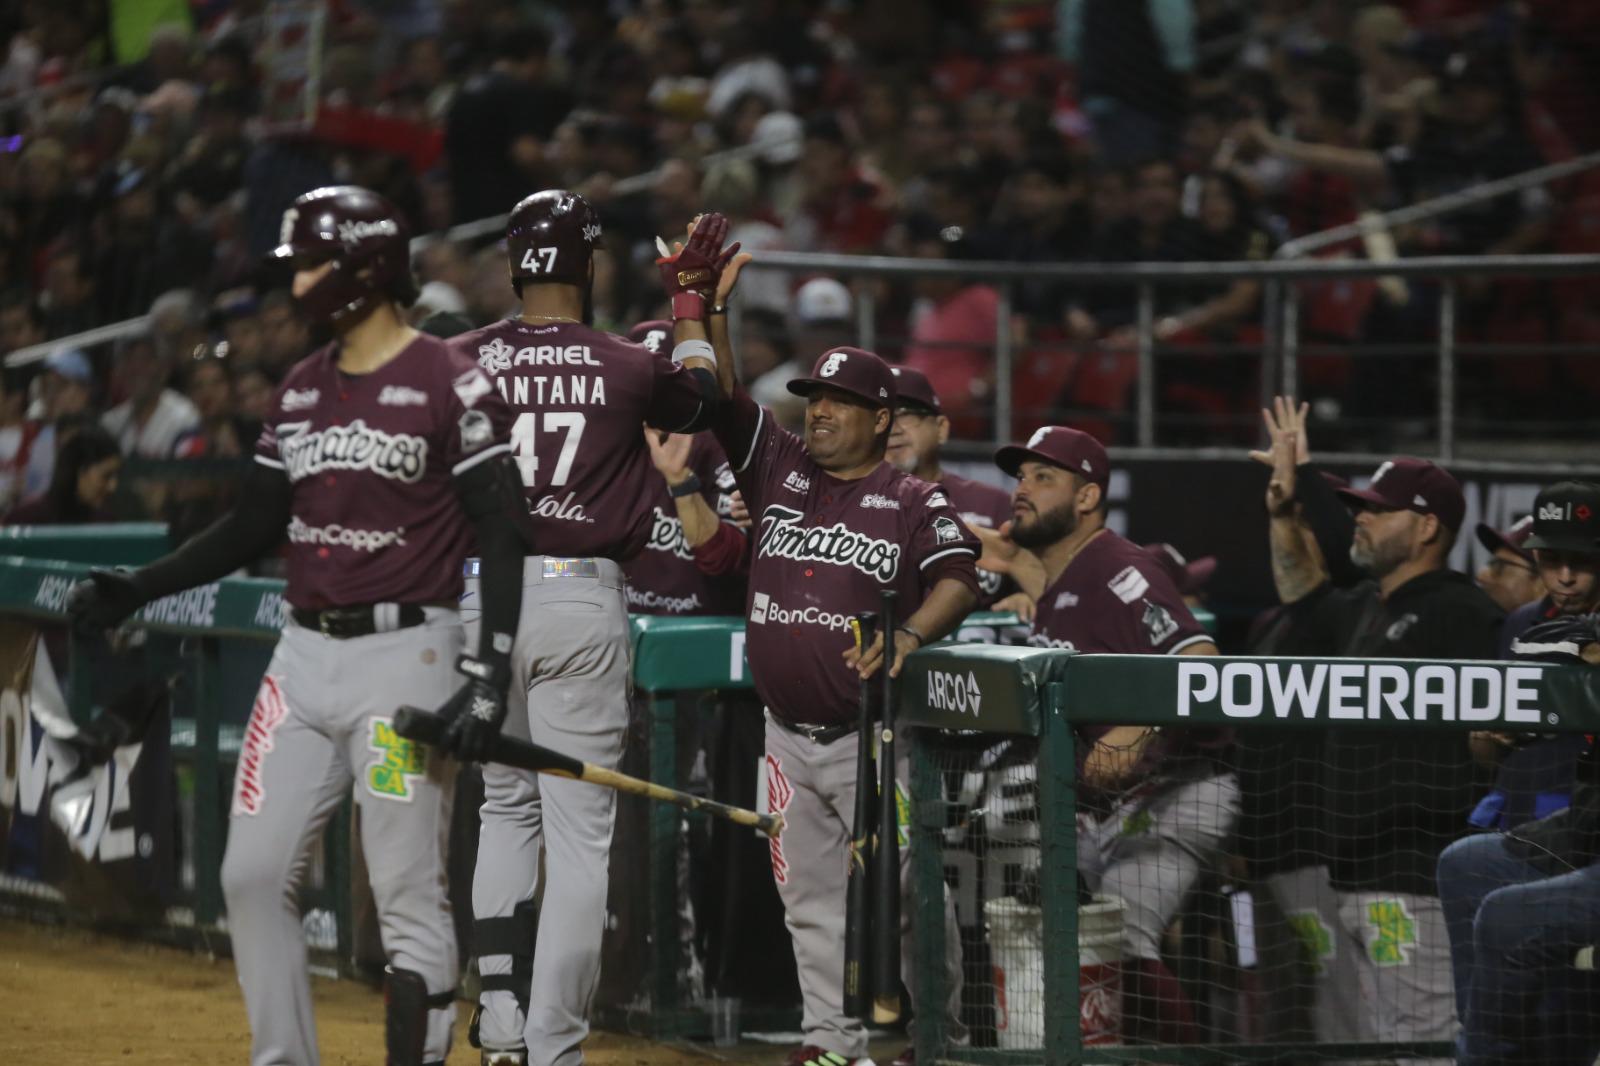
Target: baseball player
x,y
1511,574
578,397
1163,807
834,524
920,430
383,458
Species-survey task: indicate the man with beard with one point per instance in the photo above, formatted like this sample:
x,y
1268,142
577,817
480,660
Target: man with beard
x,y
1155,804
1393,800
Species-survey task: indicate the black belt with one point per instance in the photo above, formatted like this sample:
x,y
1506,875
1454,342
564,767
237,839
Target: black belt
x,y
342,623
818,734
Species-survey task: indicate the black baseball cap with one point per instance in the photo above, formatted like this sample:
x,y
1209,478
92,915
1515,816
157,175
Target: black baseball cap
x,y
1566,518
853,370
913,389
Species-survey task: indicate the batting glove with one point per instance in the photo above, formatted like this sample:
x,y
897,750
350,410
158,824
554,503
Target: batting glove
x,y
477,710
103,601
696,267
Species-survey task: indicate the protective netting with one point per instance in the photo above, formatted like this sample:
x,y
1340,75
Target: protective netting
x,y
1260,887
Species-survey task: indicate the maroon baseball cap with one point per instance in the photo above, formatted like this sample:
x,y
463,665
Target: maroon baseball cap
x,y
853,370
1408,484
915,390
655,335
1189,577
1512,540
1070,449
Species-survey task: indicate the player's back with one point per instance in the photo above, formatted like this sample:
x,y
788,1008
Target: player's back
x,y
579,398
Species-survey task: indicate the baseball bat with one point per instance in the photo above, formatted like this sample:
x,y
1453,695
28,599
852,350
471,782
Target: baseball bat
x,y
426,727
858,886
886,869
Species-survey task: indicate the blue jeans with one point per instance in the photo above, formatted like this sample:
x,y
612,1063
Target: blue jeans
x,y
1513,930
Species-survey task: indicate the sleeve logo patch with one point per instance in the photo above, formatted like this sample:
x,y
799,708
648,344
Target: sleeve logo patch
x,y
476,430
945,530
1158,623
1129,585
471,387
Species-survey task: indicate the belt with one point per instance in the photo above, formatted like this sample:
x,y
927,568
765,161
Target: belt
x,y
818,734
342,623
553,567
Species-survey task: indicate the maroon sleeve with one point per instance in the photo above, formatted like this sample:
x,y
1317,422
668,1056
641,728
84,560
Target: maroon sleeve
x,y
1142,612
676,403
476,419
722,553
941,544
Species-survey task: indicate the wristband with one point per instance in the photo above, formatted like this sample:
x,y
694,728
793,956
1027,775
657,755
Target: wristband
x,y
922,641
685,488
694,349
690,305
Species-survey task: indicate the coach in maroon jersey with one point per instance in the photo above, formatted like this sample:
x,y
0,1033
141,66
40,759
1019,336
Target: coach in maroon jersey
x,y
1163,804
834,525
920,430
383,459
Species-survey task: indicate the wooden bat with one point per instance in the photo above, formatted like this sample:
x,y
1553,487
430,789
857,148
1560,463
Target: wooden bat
x,y
886,860
428,728
858,886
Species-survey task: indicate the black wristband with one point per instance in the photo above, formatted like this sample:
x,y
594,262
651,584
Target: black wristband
x,y
922,641
685,488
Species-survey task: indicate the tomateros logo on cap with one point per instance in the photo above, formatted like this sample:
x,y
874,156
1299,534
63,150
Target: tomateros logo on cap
x,y
1391,691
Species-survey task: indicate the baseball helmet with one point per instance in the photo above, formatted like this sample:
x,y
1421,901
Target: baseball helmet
x,y
365,238
550,238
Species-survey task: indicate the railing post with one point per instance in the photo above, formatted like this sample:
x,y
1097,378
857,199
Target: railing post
x,y
1147,366
866,324
1290,355
1447,369
1003,413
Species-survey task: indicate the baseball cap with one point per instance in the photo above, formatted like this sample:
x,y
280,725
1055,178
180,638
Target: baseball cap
x,y
71,364
778,137
851,370
1566,518
1189,577
822,300
1408,484
655,335
1513,540
913,389
1070,449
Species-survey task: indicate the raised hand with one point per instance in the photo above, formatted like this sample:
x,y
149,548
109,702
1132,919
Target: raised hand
x,y
669,452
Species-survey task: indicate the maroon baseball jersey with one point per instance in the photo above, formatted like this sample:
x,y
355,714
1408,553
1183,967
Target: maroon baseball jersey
x,y
824,549
579,398
981,506
1113,598
663,578
374,515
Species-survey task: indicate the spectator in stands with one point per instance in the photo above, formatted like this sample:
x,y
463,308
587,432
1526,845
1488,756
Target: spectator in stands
x,y
952,328
211,166
252,390
66,394
733,187
147,251
285,336
819,319
68,297
845,209
153,417
499,124
221,433
1393,802
1511,576
47,207
21,325
17,435
1133,57
81,487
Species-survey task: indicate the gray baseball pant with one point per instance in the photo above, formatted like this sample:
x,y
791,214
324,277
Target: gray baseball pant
x,y
814,786
1399,985
572,671
322,719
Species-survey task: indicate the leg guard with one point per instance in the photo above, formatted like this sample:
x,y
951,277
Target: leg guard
x,y
406,1004
512,936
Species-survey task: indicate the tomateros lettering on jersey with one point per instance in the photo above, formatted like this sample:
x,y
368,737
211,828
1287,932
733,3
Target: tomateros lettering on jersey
x,y
763,610
357,446
1390,691
783,537
666,535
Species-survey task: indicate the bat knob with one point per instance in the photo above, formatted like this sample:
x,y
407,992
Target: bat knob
x,y
774,825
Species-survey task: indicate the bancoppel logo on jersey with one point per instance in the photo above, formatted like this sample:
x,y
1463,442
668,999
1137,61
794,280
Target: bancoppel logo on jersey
x,y
1351,691
666,535
498,356
402,396
397,456
797,482
873,500
646,600
764,610
299,399
783,537
336,536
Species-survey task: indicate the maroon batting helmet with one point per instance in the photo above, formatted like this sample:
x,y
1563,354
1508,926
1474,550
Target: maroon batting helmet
x,y
550,238
365,238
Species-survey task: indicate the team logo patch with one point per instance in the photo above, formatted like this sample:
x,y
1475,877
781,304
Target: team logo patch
x,y
835,361
266,716
779,795
495,356
1317,943
1038,436
591,231
399,761
1158,622
1129,585
1390,932
1400,627
938,499
945,530
471,387
476,430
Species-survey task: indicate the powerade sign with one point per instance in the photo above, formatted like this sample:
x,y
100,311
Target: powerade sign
x,y
1376,691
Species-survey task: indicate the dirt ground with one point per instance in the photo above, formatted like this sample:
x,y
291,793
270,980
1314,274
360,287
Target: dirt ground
x,y
75,996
